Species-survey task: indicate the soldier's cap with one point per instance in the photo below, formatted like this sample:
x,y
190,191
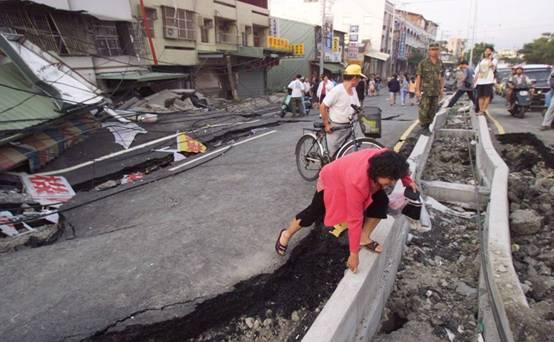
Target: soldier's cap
x,y
434,46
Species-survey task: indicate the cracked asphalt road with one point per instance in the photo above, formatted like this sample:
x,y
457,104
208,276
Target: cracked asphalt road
x,y
151,254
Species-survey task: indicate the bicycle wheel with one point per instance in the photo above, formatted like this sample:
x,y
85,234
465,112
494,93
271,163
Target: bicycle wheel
x,y
358,144
308,157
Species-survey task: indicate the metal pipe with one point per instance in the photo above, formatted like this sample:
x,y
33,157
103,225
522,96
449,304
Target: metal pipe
x,y
322,31
147,31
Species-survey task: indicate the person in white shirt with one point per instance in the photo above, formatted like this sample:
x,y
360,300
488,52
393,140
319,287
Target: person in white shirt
x,y
297,96
484,79
336,109
307,87
324,88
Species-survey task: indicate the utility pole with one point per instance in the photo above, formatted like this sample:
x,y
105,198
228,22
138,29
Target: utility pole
x,y
473,34
231,78
322,31
393,25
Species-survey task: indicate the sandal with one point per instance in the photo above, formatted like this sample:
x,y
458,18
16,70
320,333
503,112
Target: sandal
x,y
280,248
373,245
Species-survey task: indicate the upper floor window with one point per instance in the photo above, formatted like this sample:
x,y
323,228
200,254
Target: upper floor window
x,y
178,23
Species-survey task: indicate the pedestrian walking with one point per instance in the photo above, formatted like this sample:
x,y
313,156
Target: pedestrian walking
x,y
404,84
361,90
465,84
484,83
351,190
394,89
336,109
429,87
324,88
297,96
548,117
307,87
371,87
378,85
315,86
412,91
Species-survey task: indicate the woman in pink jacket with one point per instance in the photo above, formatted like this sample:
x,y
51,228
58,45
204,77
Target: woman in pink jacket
x,y
348,190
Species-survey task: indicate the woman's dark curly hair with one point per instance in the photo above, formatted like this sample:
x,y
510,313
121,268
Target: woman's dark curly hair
x,y
388,164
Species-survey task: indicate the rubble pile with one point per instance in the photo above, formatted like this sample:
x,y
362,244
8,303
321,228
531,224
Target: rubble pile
x,y
449,162
32,228
280,306
435,292
531,196
167,101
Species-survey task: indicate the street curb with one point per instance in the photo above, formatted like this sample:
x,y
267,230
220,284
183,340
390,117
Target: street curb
x,y
355,308
507,287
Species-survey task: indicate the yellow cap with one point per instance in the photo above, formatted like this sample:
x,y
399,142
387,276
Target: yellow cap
x,y
354,70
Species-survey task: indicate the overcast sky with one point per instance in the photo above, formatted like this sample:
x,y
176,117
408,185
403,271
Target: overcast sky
x,y
505,23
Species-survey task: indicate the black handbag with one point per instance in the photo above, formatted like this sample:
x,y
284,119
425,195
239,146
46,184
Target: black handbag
x,y
413,206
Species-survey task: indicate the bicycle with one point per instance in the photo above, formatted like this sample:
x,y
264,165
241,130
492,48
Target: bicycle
x,y
310,160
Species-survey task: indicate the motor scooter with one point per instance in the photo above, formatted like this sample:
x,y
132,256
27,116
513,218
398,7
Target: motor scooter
x,y
521,102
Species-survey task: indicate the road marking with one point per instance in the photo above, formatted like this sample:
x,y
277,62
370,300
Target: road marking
x,y
254,138
499,127
405,136
221,150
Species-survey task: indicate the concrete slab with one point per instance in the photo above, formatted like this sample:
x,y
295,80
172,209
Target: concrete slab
x,y
454,192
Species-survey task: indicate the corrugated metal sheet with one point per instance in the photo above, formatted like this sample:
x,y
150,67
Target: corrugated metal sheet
x,y
28,109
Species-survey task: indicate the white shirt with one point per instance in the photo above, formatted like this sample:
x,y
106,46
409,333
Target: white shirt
x,y
328,88
484,73
307,87
339,103
297,88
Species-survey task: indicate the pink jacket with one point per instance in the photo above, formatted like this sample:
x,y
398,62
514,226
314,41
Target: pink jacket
x,y
348,192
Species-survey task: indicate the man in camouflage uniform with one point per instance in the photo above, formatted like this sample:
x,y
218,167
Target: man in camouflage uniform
x,y
429,87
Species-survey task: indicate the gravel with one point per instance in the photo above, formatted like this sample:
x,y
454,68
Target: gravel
x,y
531,196
435,293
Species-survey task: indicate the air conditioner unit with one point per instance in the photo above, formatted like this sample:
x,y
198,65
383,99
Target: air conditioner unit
x,y
171,32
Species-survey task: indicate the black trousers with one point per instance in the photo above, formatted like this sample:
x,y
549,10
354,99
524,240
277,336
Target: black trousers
x,y
460,93
315,212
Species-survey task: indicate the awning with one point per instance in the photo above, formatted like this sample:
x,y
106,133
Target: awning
x,y
40,148
140,76
378,55
333,68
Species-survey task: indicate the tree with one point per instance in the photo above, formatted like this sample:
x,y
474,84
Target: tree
x,y
540,50
478,50
415,57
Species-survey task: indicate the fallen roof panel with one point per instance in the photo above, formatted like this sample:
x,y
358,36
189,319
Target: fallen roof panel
x,y
20,108
140,76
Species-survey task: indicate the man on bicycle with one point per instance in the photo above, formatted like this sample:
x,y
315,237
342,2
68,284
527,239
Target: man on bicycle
x,y
336,109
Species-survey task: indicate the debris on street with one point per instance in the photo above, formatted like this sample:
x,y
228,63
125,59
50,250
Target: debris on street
x,y
435,293
531,196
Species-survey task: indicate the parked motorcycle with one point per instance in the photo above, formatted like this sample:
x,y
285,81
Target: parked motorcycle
x,y
521,102
286,107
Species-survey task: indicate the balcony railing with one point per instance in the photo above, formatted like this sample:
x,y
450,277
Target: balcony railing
x,y
226,38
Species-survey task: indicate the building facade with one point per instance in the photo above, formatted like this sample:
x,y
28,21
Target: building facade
x,y
221,43
405,34
456,46
367,15
91,37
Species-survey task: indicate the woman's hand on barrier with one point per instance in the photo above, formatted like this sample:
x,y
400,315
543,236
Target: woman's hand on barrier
x,y
353,262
